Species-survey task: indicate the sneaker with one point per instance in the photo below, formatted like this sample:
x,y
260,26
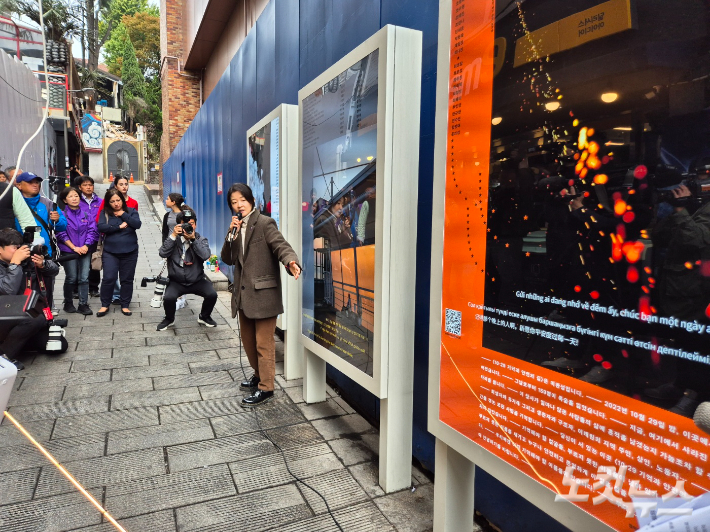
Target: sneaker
x,y
85,309
665,391
597,375
687,404
69,307
563,363
165,324
206,321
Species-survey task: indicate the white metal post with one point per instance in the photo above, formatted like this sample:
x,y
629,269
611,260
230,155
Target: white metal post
x,y
313,378
453,490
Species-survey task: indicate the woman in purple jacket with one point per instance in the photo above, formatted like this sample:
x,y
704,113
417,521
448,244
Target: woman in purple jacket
x,y
80,235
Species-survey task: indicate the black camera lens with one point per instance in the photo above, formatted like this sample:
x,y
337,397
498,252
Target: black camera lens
x,y
187,229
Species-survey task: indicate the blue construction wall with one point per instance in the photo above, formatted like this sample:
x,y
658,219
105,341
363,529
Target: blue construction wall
x,y
292,43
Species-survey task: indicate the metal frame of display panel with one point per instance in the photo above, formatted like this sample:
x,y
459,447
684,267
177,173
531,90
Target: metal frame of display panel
x,y
456,455
395,253
289,225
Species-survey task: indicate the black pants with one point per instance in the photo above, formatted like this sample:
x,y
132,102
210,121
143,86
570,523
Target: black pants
x,y
202,288
118,265
28,334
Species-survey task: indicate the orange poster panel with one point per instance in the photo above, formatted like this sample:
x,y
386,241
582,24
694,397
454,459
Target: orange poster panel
x,y
576,268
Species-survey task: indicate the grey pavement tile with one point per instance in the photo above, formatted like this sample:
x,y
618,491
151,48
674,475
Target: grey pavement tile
x,y
268,471
214,344
156,522
217,451
338,487
133,334
221,334
65,379
342,426
36,396
115,343
159,436
39,368
270,508
9,435
352,451
409,512
288,384
108,388
368,476
105,422
219,365
270,415
326,409
420,476
25,456
109,328
162,370
83,355
70,407
194,379
188,331
102,471
169,491
17,486
175,340
146,350
363,517
109,363
209,408
344,405
216,391
295,393
178,357
233,352
129,400
53,514
294,435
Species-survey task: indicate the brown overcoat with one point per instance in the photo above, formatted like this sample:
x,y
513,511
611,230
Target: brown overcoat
x,y
257,274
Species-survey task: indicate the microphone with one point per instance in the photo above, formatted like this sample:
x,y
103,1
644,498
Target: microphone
x,y
702,416
234,230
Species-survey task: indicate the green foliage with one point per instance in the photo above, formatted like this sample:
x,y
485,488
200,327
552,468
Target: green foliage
x,y
133,82
121,8
143,29
60,17
115,50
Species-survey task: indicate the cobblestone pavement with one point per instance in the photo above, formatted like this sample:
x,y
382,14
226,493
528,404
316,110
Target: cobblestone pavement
x,y
151,424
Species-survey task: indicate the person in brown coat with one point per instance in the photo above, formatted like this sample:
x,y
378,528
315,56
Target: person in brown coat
x,y
254,246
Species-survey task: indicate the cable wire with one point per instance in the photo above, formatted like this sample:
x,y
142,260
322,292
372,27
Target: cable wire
x,y
283,454
18,92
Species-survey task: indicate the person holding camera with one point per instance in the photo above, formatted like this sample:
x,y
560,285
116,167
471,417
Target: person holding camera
x,y
80,236
47,215
17,264
186,252
119,223
255,247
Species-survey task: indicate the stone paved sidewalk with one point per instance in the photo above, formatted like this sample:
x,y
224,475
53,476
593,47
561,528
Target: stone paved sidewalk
x,y
151,424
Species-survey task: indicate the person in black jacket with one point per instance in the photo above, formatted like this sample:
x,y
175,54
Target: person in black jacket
x,y
186,253
118,223
23,334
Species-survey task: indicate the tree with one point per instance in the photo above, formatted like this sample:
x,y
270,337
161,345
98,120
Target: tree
x,y
60,20
133,82
115,50
121,8
143,29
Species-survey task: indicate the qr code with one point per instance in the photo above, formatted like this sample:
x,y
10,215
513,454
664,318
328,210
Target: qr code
x,y
453,322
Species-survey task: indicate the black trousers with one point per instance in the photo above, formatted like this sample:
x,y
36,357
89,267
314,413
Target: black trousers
x,y
201,288
28,334
118,265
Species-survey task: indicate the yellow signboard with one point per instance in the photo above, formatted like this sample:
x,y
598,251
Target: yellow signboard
x,y
613,16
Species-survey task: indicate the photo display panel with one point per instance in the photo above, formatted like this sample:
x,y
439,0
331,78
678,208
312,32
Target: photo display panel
x,y
339,161
576,268
263,169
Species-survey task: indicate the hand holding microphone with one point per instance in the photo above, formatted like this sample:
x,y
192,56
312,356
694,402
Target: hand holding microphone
x,y
236,225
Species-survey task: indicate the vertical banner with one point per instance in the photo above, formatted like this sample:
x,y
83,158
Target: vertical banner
x,y
219,184
576,269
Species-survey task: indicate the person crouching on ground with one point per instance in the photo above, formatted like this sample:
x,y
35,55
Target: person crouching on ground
x,y
79,237
23,334
119,223
255,247
186,252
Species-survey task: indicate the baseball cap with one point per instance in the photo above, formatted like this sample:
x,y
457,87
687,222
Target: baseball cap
x,y
26,177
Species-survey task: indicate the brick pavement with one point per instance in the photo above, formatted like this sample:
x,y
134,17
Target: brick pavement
x,y
151,424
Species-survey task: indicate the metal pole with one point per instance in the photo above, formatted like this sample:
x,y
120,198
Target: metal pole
x,y
66,133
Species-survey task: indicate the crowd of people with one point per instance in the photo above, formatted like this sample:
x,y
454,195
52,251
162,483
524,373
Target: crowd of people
x,y
87,235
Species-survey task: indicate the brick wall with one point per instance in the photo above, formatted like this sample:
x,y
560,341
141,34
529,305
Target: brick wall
x,y
181,89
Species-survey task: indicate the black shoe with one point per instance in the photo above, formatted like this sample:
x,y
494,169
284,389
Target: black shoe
x,y
687,404
69,307
250,384
258,397
101,314
94,294
85,309
165,324
206,321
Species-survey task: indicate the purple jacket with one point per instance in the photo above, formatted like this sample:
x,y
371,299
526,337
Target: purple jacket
x,y
93,207
81,229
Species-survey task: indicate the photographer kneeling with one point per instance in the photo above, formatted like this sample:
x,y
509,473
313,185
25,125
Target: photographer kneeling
x,y
23,333
186,252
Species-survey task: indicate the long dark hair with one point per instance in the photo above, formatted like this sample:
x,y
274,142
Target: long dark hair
x,y
244,190
110,193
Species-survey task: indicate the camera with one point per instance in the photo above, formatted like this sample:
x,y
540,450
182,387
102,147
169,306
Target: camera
x,y
56,333
187,229
57,183
697,181
161,284
39,249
